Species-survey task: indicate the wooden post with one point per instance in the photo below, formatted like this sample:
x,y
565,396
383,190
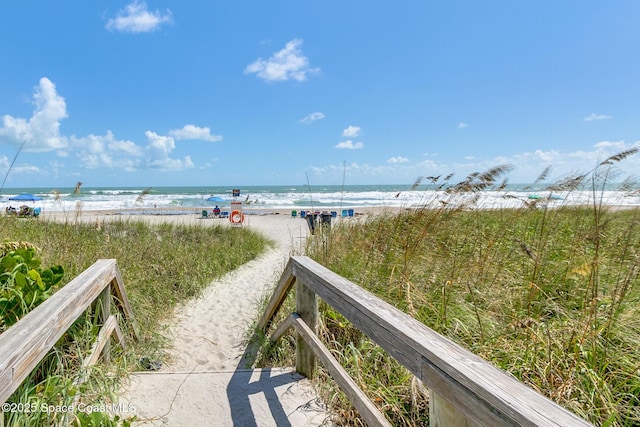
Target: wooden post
x,y
443,414
104,310
307,308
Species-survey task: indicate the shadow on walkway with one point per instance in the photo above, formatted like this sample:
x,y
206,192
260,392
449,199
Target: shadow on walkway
x,y
247,385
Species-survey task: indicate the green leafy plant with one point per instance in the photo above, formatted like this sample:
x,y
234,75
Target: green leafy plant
x,y
100,419
23,283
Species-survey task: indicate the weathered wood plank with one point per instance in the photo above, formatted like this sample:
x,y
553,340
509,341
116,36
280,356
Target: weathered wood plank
x,y
24,344
411,343
356,396
360,401
109,330
464,401
282,328
103,315
444,414
307,308
120,293
277,298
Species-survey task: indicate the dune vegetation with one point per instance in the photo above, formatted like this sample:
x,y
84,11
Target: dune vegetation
x,y
551,296
162,266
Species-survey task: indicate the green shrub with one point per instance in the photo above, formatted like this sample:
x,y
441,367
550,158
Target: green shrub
x,y
23,284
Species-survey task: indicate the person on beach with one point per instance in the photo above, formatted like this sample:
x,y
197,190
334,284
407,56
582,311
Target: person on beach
x,y
216,211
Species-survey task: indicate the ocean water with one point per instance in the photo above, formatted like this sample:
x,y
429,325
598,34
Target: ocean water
x,y
315,198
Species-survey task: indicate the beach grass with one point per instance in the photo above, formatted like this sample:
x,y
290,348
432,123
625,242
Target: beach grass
x,y
550,295
162,265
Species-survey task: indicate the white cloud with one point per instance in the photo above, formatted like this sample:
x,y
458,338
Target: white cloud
x,y
159,144
312,118
528,165
21,170
192,132
550,157
462,125
95,161
42,130
159,150
125,147
593,116
350,145
286,64
351,131
42,134
95,151
352,169
135,18
397,159
169,164
613,146
91,143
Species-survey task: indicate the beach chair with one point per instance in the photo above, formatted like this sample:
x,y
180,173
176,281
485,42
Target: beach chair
x,y
205,214
294,214
224,214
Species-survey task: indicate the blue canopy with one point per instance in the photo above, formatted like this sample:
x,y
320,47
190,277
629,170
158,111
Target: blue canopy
x,y
215,199
26,197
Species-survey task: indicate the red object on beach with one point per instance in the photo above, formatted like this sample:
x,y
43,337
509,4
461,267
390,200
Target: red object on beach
x,y
236,217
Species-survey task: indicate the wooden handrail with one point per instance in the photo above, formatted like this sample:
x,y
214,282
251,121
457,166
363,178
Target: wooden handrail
x,y
25,343
360,400
479,392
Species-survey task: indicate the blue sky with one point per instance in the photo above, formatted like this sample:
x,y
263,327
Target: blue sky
x,y
164,93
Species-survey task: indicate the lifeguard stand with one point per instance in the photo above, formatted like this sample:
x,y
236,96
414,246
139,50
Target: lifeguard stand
x,y
236,217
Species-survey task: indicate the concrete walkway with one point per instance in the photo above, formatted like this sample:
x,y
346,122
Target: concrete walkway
x,y
260,397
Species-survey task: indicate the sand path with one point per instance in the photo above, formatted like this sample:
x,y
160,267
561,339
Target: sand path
x,y
209,333
206,382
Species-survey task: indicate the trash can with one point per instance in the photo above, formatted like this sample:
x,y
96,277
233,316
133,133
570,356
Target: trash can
x,y
311,222
326,219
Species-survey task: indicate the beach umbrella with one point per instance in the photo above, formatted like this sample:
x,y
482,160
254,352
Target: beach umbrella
x,y
26,197
215,199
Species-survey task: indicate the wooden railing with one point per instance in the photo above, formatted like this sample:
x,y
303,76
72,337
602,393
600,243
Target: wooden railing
x,y
464,389
25,344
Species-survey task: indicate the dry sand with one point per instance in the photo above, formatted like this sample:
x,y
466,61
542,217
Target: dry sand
x,y
208,337
209,333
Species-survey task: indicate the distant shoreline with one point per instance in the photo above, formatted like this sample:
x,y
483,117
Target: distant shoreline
x,y
172,201
196,212
182,211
